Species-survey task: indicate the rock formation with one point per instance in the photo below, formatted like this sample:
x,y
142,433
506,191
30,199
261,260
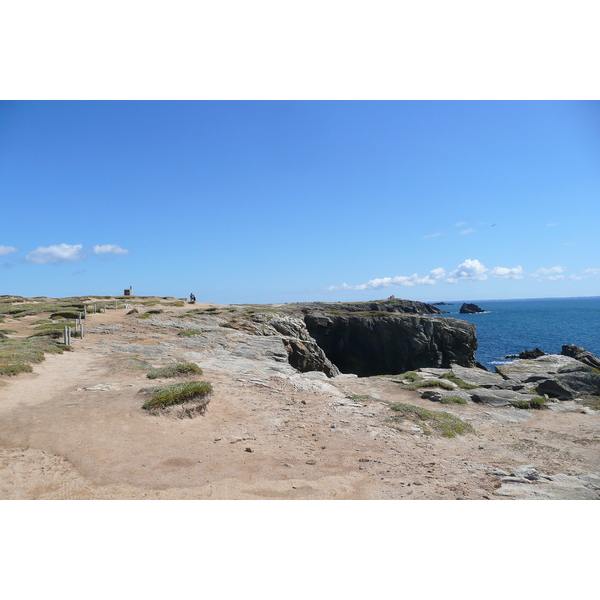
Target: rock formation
x,y
303,351
470,309
394,305
582,355
389,344
535,353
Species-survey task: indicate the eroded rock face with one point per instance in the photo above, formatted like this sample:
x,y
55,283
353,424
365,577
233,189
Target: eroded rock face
x,y
390,344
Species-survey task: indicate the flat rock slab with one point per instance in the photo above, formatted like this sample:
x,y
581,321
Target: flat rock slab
x,y
530,370
554,487
439,395
498,397
477,377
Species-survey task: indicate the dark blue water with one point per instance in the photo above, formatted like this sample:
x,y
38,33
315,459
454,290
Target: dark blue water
x,y
512,326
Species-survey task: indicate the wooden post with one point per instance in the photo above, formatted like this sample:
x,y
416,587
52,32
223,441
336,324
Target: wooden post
x,y
115,305
66,336
81,329
85,312
94,308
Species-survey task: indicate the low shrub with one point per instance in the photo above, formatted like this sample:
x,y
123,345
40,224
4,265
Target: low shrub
x,y
66,314
442,422
134,364
178,369
538,402
179,393
463,385
17,355
429,384
453,400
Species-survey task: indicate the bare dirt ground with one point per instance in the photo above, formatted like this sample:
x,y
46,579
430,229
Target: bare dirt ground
x,y
74,429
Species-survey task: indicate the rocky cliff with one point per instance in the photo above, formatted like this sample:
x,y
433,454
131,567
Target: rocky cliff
x,y
393,305
390,343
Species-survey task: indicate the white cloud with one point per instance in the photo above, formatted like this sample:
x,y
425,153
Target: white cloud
x,y
506,273
6,250
110,249
460,224
466,231
385,282
432,235
470,270
585,274
438,273
62,253
552,273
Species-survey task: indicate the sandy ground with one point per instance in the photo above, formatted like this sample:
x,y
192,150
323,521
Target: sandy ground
x,y
260,438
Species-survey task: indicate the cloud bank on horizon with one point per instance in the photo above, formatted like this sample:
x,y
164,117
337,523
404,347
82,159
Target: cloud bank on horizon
x,y
469,270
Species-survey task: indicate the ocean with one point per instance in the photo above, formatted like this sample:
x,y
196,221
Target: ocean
x,y
511,326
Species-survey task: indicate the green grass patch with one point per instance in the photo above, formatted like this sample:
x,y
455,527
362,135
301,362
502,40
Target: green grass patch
x,y
66,314
18,355
592,402
134,364
149,313
26,308
442,422
179,369
410,376
463,385
453,400
189,332
429,384
171,395
537,403
55,326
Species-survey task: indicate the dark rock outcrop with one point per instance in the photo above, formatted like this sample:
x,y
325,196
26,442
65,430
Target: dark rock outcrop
x,y
391,344
470,309
582,355
535,353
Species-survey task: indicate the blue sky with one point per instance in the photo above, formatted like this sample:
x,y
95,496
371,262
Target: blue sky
x,y
285,201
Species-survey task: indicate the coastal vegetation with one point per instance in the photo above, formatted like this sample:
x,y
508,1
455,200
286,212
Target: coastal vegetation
x,y
441,422
178,369
179,393
463,385
18,355
189,332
